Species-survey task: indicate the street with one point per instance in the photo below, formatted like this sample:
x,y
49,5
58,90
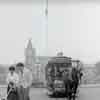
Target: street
x,y
89,93
86,93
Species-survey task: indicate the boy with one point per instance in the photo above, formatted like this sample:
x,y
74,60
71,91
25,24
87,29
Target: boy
x,y
25,81
12,81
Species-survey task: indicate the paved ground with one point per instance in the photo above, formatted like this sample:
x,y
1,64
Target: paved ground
x,y
89,93
86,93
39,94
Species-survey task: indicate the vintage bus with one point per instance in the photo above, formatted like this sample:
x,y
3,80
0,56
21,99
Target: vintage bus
x,y
54,74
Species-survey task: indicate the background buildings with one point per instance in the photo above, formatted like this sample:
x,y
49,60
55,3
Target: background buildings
x,y
38,63
35,63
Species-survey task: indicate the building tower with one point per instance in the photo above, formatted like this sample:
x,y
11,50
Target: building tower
x,y
30,55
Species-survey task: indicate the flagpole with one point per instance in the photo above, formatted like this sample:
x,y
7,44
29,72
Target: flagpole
x,y
46,19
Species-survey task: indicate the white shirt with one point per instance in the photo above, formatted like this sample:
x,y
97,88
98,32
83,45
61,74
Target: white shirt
x,y
25,78
12,78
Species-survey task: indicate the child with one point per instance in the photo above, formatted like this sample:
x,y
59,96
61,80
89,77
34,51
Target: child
x,y
12,81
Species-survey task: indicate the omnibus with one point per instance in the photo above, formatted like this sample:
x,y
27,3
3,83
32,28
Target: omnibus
x,y
54,74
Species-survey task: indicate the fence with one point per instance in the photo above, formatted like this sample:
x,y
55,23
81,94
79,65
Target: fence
x,y
3,91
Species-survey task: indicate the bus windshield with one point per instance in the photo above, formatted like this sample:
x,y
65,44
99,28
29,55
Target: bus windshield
x,y
56,70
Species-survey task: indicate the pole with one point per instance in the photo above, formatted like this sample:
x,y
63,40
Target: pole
x,y
46,27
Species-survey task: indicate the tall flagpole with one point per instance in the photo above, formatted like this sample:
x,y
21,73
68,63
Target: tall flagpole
x,y
46,27
46,10
46,30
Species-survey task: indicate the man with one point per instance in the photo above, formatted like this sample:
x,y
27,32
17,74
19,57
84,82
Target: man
x,y
80,76
25,81
67,77
75,77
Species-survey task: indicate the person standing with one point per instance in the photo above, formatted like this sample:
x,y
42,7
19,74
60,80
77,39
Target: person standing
x,y
67,78
12,81
25,81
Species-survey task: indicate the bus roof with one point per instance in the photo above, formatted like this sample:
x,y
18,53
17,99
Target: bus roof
x,y
61,59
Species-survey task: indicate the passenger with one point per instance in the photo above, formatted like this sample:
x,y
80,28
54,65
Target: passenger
x,y
12,81
25,81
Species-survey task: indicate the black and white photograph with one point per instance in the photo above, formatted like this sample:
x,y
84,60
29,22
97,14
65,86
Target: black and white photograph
x,y
49,49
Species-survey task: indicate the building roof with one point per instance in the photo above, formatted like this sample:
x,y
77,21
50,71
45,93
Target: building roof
x,y
43,58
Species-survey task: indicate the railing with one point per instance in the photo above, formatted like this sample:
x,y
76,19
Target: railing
x,y
90,86
3,91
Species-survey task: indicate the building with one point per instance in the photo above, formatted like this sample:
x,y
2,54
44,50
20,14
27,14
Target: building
x,y
30,55
3,74
89,74
35,63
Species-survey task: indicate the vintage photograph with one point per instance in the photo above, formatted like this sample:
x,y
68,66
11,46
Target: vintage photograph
x,y
49,49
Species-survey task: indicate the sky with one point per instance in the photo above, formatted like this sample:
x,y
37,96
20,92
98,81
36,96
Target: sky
x,y
73,27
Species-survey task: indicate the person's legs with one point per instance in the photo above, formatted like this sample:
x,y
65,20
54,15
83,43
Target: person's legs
x,y
8,88
12,95
26,93
20,92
